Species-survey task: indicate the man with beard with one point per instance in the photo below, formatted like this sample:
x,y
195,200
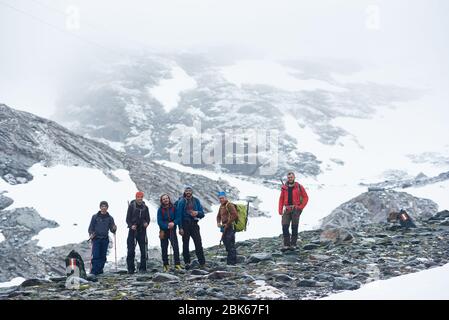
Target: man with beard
x,y
292,202
190,210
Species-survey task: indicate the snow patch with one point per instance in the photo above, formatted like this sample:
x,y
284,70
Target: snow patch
x,y
273,74
264,291
70,196
12,283
429,284
2,237
168,90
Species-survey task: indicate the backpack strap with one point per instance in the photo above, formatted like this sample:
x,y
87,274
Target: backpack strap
x,y
227,209
300,193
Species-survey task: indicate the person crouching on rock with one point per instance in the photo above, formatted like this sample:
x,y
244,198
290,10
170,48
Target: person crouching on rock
x,y
100,225
227,215
168,220
292,202
138,219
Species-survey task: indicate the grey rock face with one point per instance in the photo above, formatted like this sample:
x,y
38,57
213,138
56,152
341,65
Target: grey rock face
x,y
5,201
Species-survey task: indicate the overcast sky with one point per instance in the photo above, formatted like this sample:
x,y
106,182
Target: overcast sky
x,y
41,43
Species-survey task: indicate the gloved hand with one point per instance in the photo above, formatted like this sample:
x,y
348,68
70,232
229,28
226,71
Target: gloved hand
x,y
114,229
181,232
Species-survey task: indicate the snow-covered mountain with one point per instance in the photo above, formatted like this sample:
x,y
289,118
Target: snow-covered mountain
x,y
135,105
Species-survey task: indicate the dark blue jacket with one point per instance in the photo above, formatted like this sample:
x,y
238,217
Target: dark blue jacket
x,y
166,215
181,209
101,224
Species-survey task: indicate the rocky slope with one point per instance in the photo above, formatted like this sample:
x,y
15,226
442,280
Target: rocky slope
x,y
26,139
319,268
374,207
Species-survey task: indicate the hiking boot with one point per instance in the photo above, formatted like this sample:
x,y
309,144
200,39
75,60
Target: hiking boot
x,y
131,271
287,242
166,268
178,267
187,266
285,248
293,248
202,266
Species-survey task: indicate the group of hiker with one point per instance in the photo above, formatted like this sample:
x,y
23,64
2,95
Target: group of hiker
x,y
183,216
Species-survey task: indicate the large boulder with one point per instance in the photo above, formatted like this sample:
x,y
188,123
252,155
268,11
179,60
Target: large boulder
x,y
165,277
345,284
336,235
374,207
260,256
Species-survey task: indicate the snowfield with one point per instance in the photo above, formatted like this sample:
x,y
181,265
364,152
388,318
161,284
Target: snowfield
x,y
168,90
429,284
274,74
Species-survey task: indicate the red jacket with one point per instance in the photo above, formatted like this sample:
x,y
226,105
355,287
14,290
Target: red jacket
x,y
299,193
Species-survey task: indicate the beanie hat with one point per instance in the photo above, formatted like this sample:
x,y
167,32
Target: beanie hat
x,y
221,194
139,194
187,187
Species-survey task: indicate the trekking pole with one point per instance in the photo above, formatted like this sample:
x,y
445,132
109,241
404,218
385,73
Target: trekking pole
x,y
170,247
115,250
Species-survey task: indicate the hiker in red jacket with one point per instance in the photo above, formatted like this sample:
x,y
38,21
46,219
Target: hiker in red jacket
x,y
292,201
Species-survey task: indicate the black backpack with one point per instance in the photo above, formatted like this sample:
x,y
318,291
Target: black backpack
x,y
75,265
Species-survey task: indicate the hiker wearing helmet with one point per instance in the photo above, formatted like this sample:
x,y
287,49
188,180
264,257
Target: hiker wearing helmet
x,y
137,219
292,202
100,225
168,221
227,215
190,210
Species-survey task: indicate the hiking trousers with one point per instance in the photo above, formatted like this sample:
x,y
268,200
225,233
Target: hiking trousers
x,y
290,217
229,242
99,252
192,230
170,236
139,237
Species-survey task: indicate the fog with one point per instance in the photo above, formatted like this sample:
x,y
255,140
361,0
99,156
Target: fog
x,y
43,42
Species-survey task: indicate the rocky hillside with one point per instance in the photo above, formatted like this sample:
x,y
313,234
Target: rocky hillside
x,y
320,267
26,139
374,207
